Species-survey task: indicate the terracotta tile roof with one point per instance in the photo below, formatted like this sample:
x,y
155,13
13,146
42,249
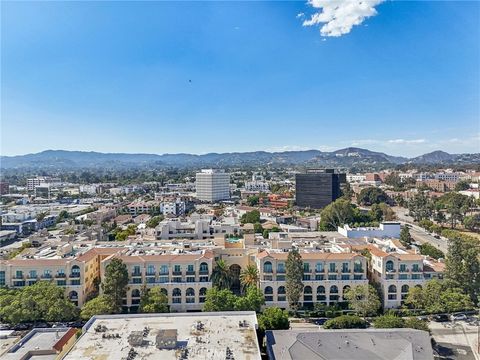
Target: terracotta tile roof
x,y
90,254
434,266
130,259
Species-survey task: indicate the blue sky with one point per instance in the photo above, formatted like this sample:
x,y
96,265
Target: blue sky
x,y
202,77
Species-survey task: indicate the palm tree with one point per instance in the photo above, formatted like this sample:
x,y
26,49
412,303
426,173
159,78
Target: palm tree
x,y
221,277
249,276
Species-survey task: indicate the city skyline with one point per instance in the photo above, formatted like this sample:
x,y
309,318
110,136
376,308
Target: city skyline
x,y
227,77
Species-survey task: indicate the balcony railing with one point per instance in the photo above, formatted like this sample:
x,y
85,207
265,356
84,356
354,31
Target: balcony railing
x,y
20,277
190,272
61,275
281,271
136,273
46,276
30,276
358,270
75,275
177,273
268,271
203,272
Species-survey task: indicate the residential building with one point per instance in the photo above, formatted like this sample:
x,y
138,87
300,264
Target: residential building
x,y
32,183
317,188
326,276
257,184
212,185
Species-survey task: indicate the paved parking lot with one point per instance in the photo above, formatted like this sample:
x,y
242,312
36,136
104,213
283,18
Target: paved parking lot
x,y
457,340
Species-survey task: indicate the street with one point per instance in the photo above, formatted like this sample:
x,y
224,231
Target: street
x,y
419,234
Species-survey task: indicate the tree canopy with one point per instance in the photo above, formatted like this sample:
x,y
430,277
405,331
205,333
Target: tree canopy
x,y
153,300
273,318
250,217
372,195
363,299
115,282
43,301
101,305
345,322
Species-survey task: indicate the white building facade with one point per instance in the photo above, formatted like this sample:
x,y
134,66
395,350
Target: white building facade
x,y
212,185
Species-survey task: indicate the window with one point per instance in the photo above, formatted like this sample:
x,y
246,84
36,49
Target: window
x,y
306,277
267,267
150,280
280,277
319,267
47,273
402,276
332,267
345,268
75,271
319,277
405,288
32,274
345,290
177,296
345,277
403,267
306,267
281,268
268,293
389,265
177,269
190,279
136,270
164,270
190,296
61,282
281,294
2,278
202,293
151,270
135,293
357,266
321,293
416,276
203,268
332,277
75,282
163,279
333,289
357,277
392,289
190,268
307,294
415,268
137,280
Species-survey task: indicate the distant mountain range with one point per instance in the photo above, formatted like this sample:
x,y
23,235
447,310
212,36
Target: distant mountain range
x,y
345,158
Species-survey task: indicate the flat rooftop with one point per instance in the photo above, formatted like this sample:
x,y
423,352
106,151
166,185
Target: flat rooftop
x,y
203,335
345,344
38,342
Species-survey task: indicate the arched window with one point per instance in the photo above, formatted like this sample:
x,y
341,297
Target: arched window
x,y
281,290
177,296
73,295
164,291
321,293
190,295
268,293
135,293
389,265
345,289
405,288
392,289
333,293
267,267
75,271
357,266
202,293
307,293
204,268
268,290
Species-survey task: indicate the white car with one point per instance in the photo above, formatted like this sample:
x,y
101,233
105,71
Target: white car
x,y
456,317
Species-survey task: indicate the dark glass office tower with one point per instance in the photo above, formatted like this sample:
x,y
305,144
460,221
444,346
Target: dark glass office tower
x,y
318,187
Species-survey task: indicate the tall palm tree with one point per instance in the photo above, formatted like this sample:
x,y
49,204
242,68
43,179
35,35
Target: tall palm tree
x,y
249,276
221,277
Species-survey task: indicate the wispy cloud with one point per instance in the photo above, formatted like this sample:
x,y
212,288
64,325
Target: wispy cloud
x,y
362,142
338,17
404,141
300,148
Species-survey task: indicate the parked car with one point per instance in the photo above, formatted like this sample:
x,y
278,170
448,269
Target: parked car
x,y
320,321
23,326
456,317
440,318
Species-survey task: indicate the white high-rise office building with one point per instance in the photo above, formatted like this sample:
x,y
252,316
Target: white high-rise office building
x,y
213,185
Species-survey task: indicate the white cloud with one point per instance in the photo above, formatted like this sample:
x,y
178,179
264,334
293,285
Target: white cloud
x,y
300,15
337,17
404,141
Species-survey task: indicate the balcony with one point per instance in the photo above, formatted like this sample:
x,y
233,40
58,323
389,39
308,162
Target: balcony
x,y
136,273
75,275
358,270
268,271
203,272
30,276
345,270
281,271
46,276
61,275
319,271
150,274
177,273
192,272
19,276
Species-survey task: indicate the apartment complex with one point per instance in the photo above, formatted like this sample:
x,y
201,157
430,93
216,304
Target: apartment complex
x,y
212,185
318,187
326,276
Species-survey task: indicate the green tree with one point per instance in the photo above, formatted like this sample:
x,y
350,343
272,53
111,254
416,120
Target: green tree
x,y
376,212
372,195
101,305
432,251
249,276
472,222
463,265
388,321
462,185
405,237
415,323
456,205
420,206
250,217
257,228
115,282
336,214
253,200
43,301
363,299
154,300
294,277
273,318
221,276
251,301
219,300
346,322
154,221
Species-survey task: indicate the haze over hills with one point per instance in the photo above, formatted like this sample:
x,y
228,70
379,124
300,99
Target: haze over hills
x,y
347,157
